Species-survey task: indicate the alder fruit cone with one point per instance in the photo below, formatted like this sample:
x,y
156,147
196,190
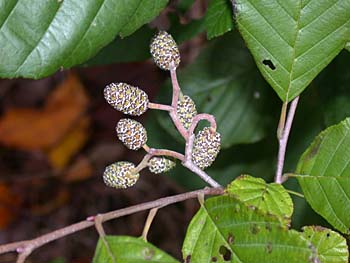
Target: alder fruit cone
x,y
164,50
159,165
126,98
131,133
206,147
120,175
186,111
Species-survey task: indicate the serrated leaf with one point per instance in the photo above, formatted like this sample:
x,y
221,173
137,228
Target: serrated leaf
x,y
126,249
223,81
324,175
219,18
331,247
41,37
224,230
269,198
292,41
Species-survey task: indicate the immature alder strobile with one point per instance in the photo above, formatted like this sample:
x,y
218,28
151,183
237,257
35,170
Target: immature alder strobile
x,y
131,133
120,175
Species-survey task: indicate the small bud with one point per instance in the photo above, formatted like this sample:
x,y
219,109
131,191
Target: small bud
x,y
159,165
120,175
206,147
164,50
126,98
186,111
131,133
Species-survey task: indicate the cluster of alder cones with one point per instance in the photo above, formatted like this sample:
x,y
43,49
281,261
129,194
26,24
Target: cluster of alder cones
x,y
133,101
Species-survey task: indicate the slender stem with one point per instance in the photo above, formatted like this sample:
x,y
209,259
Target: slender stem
x,y
24,248
152,213
164,152
198,118
284,140
157,106
295,193
282,121
175,98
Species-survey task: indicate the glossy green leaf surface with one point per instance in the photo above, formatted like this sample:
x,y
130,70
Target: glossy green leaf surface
x,y
293,40
219,18
223,81
126,249
331,247
269,198
38,38
225,230
324,170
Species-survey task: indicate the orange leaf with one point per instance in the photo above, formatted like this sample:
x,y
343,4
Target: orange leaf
x,y
31,129
80,170
60,155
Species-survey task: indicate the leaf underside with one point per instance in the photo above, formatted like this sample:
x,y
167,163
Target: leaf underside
x,y
293,40
38,38
225,230
324,170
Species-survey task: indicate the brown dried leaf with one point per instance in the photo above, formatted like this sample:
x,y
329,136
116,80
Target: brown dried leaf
x,y
30,129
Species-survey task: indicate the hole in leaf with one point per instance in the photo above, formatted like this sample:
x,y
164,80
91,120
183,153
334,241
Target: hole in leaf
x,y
255,229
328,235
188,259
214,259
268,62
226,253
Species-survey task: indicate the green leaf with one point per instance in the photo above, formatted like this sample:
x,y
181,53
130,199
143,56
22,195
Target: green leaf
x,y
324,175
269,198
292,41
224,230
219,18
223,81
126,249
41,37
331,247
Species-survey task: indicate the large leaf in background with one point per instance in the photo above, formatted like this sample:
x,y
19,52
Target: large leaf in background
x,y
331,247
271,198
333,87
223,81
292,41
126,249
219,18
325,175
225,230
38,38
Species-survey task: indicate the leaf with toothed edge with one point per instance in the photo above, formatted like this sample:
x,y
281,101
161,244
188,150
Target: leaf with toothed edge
x,y
38,38
331,246
126,249
324,175
225,230
293,40
269,198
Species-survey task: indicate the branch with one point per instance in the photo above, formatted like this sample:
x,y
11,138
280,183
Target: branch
x,y
283,139
172,113
156,106
24,248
